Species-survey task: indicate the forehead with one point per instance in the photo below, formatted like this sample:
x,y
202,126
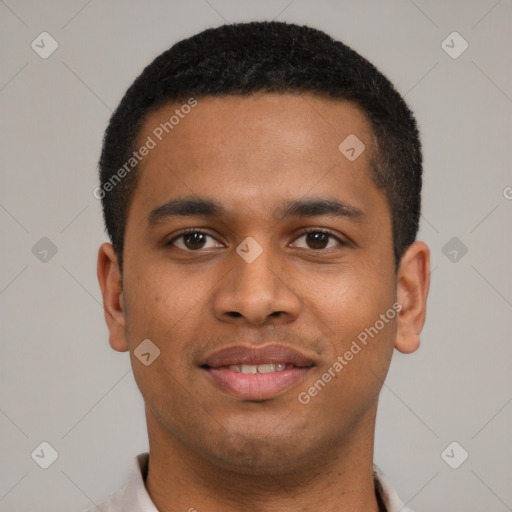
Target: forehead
x,y
296,123
256,149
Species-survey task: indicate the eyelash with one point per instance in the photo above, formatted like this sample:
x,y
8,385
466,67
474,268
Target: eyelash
x,y
325,232
189,231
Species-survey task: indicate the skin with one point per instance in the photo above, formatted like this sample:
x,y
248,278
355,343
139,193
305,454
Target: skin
x,y
210,450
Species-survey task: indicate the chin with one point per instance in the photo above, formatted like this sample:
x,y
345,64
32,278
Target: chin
x,y
254,459
258,452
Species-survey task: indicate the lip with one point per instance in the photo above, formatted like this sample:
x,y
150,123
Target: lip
x,y
272,353
259,386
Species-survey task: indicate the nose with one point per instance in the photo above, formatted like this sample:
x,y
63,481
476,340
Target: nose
x,y
256,293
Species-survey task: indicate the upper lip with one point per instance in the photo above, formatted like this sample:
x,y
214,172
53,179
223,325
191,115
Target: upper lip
x,y
272,353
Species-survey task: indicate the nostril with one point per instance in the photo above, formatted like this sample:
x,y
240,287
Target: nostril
x,y
236,314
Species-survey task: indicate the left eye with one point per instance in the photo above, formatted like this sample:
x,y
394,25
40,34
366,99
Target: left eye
x,y
318,240
194,241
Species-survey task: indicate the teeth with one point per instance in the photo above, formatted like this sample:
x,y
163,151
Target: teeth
x,y
266,368
251,369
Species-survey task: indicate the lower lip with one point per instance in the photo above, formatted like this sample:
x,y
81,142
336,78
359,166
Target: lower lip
x,y
259,386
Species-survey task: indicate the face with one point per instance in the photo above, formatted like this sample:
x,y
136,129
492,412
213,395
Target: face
x,y
259,260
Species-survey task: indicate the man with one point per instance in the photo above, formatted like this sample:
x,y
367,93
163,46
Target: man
x,y
261,187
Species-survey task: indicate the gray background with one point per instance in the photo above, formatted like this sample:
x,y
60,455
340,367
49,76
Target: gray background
x,y
61,382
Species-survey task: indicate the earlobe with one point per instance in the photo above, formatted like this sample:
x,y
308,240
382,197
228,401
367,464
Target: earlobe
x,y
109,278
413,282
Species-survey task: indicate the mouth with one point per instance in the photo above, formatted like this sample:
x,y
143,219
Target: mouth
x,y
257,374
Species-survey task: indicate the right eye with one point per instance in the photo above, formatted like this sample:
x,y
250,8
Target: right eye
x,y
194,240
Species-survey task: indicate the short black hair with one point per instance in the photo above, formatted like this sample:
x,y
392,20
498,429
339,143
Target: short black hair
x,y
273,57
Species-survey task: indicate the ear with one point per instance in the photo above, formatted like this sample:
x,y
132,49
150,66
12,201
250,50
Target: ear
x,y
413,282
109,278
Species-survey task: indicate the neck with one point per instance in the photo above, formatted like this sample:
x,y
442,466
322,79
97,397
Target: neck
x,y
340,480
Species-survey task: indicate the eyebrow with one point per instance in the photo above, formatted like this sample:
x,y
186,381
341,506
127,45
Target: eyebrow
x,y
318,206
193,206
185,207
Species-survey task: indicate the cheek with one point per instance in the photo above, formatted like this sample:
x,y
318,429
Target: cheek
x,y
160,310
348,302
356,313
165,308
360,350
159,300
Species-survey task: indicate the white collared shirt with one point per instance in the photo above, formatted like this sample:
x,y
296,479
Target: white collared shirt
x,y
133,497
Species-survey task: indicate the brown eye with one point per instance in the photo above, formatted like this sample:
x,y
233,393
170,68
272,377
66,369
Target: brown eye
x,y
317,240
194,241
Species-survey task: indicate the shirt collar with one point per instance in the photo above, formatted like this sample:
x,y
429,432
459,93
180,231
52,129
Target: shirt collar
x,y
133,497
387,493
